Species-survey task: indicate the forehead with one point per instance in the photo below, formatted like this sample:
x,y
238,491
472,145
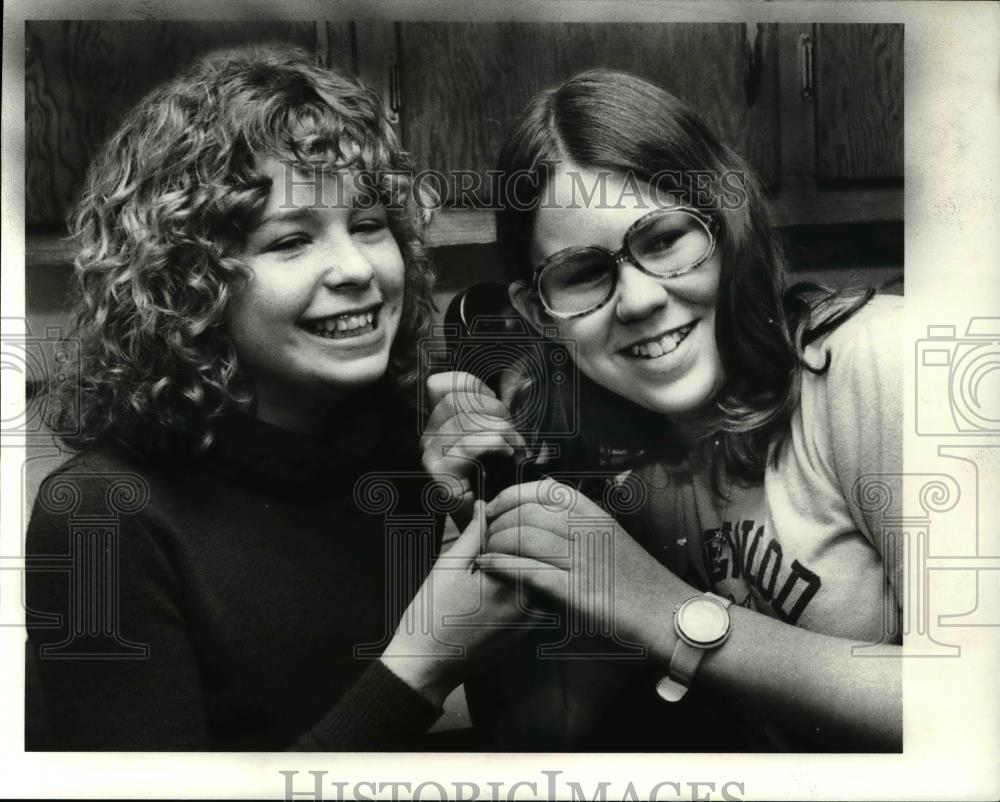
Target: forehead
x,y
590,206
294,186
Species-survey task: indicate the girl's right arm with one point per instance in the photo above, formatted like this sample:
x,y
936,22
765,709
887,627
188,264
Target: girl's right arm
x,y
139,685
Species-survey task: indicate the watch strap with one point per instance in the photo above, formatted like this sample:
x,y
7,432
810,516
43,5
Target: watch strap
x,y
684,661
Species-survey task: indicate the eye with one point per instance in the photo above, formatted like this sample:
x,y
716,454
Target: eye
x,y
287,244
370,226
586,271
663,242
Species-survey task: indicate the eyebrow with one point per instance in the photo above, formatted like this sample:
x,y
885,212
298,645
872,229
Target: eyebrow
x,y
286,216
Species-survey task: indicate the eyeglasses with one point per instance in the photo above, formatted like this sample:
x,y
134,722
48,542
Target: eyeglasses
x,y
664,243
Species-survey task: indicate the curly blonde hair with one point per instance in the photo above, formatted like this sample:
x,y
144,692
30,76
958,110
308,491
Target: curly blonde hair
x,y
166,205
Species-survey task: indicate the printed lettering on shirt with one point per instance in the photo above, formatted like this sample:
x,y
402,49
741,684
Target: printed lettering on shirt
x,y
743,550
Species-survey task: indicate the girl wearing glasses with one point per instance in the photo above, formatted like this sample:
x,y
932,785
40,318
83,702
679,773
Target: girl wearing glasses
x,y
252,294
745,417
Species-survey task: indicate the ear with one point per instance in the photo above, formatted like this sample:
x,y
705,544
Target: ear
x,y
521,300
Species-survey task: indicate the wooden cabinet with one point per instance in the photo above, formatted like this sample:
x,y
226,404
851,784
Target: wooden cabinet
x,y
463,84
82,76
816,109
859,102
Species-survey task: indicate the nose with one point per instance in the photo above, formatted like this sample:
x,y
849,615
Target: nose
x,y
639,294
346,265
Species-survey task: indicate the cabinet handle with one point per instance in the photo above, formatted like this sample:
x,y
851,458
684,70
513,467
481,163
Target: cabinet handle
x,y
806,67
752,71
393,96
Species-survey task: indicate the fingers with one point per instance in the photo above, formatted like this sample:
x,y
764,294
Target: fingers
x,y
461,395
547,490
535,574
462,515
436,444
529,541
461,428
470,542
476,444
440,434
529,514
440,384
475,406
462,460
452,484
457,465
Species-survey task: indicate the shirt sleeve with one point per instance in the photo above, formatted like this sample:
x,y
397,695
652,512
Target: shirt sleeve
x,y
378,712
864,399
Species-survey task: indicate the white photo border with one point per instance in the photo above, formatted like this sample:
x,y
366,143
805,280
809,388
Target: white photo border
x,y
952,201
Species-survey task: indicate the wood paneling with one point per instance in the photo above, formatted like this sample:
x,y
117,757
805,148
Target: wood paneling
x,y
340,45
859,102
80,77
463,84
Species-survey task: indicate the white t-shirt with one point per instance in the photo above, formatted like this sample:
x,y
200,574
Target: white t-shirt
x,y
806,546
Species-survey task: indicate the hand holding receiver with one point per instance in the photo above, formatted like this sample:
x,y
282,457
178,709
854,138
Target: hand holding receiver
x,y
469,431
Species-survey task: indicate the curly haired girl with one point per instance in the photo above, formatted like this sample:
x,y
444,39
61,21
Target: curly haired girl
x,y
252,292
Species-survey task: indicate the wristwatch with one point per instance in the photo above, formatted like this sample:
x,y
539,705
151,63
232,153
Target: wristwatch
x,y
701,623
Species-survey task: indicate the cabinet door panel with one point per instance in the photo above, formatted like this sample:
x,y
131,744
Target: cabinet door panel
x,y
82,76
859,102
463,84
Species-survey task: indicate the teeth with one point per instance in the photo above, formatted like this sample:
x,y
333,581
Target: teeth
x,y
343,325
665,345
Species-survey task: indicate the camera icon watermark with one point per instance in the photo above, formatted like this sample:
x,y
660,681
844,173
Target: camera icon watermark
x,y
506,355
936,544
958,380
48,364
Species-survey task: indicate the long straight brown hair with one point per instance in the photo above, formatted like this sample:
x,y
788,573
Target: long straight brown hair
x,y
605,120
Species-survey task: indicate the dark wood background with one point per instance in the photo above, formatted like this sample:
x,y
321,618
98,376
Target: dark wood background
x,y
80,78
465,84
832,156
859,102
461,86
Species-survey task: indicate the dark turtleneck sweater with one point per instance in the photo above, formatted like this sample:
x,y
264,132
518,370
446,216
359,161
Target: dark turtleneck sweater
x,y
244,587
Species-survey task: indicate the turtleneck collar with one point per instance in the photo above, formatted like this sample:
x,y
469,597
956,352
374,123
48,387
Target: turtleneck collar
x,y
372,430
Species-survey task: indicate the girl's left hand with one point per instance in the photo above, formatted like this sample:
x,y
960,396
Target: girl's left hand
x,y
563,545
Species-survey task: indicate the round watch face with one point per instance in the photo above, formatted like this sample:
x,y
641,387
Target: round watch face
x,y
703,621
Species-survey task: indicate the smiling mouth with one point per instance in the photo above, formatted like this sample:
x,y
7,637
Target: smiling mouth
x,y
343,327
664,344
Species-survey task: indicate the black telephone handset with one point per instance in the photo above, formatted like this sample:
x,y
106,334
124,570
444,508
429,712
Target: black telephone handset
x,y
486,336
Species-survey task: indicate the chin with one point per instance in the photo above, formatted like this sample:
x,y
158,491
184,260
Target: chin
x,y
361,379
676,409
356,377
690,396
